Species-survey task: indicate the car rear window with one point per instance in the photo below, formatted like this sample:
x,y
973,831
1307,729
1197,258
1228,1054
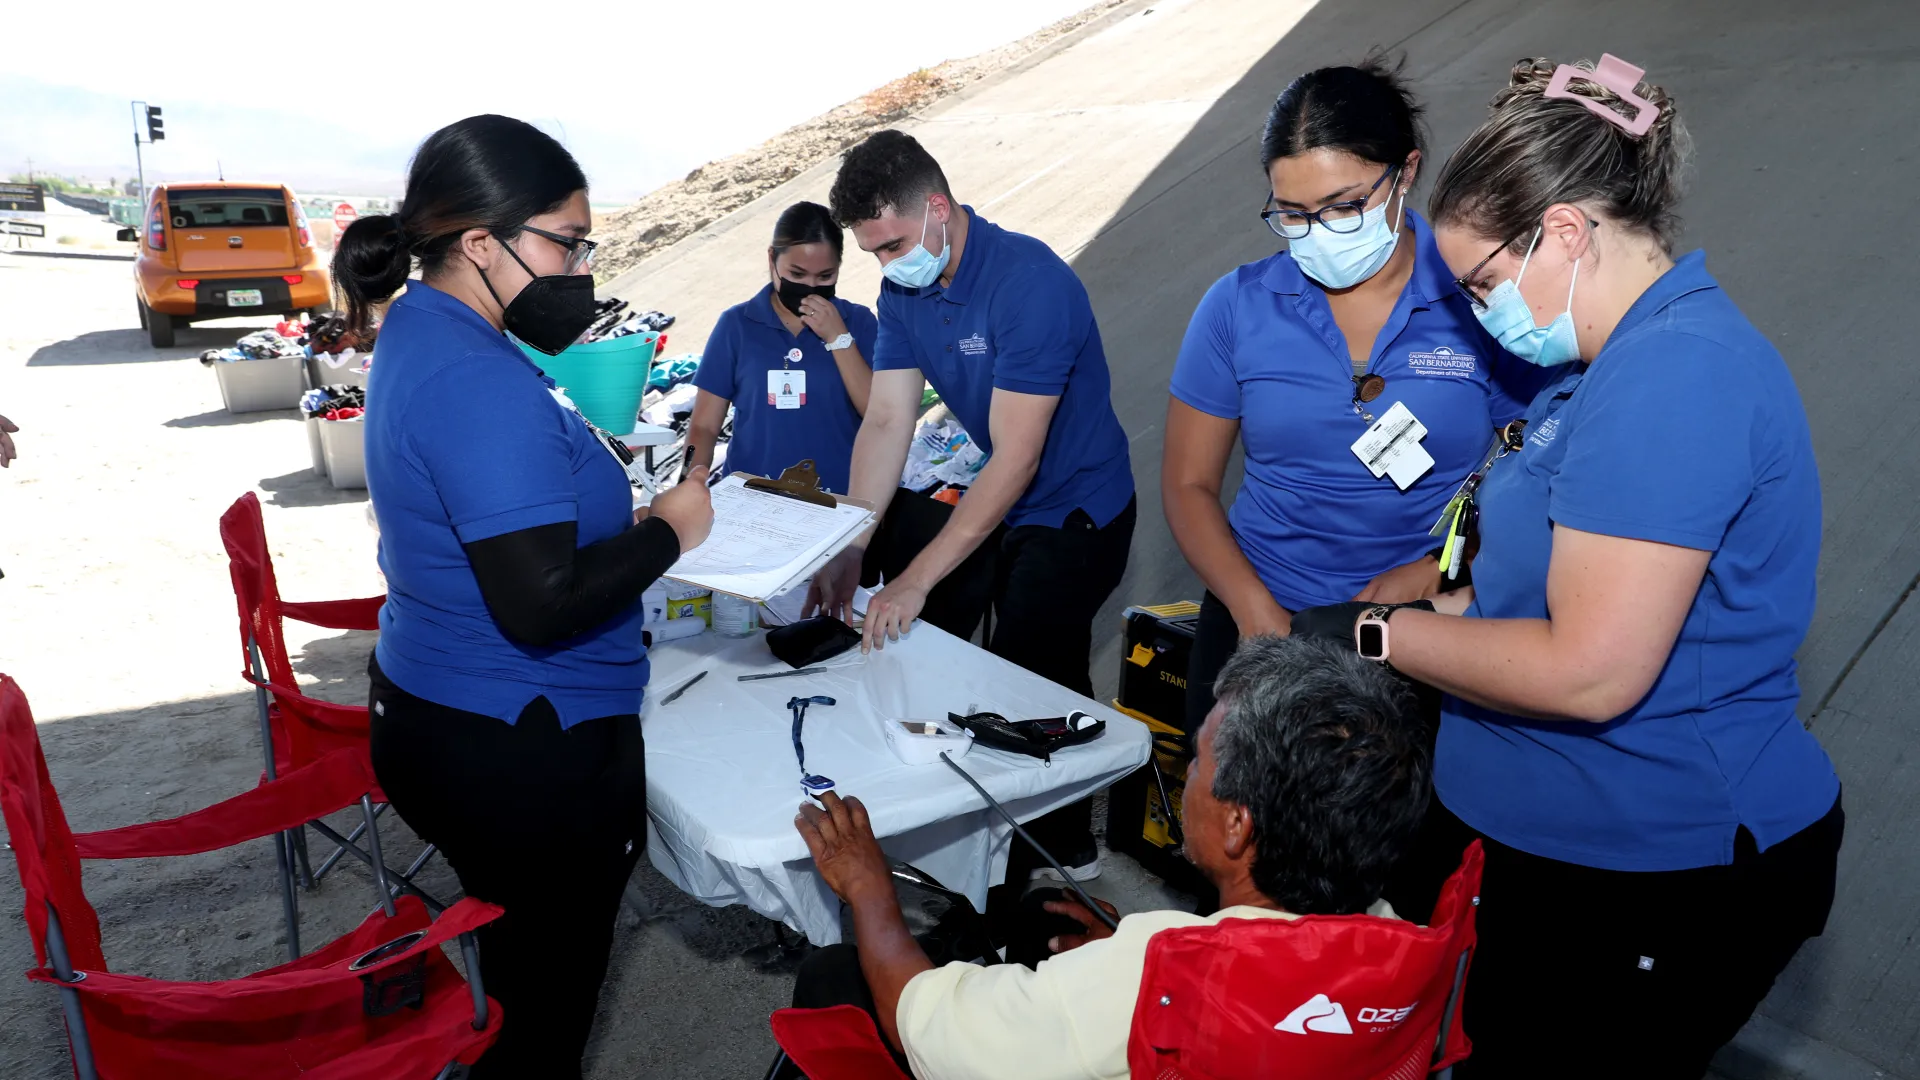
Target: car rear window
x,y
193,208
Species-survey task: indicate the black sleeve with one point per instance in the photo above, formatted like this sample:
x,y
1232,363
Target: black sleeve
x,y
543,590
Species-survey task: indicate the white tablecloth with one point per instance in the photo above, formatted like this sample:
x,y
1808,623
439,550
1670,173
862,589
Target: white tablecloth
x,y
723,786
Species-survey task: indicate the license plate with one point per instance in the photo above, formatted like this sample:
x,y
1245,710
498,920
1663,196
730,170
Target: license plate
x,y
244,298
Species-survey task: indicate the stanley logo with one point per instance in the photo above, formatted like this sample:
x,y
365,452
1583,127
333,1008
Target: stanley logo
x,y
1168,676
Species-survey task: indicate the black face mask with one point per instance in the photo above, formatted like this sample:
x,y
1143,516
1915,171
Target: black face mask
x,y
792,292
551,312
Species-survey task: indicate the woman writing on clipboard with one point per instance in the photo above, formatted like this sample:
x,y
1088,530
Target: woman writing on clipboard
x,y
509,673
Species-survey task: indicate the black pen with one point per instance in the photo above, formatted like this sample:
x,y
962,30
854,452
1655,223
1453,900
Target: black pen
x,y
683,688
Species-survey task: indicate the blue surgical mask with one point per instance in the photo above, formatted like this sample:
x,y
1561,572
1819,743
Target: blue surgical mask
x,y
1508,318
918,269
1342,260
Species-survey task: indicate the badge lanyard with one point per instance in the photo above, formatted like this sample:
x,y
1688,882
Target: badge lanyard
x,y
635,472
1460,520
787,388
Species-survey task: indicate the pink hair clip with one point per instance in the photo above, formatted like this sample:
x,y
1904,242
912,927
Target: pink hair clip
x,y
1616,75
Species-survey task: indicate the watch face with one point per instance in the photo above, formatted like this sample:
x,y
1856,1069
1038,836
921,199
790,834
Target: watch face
x,y
1371,637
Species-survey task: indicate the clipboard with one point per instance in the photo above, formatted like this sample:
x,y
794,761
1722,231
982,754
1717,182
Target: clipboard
x,y
802,484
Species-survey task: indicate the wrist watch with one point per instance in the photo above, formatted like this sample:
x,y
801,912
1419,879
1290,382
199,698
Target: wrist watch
x,y
841,342
1370,634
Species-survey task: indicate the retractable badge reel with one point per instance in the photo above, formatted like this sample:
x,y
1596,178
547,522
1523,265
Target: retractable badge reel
x,y
812,784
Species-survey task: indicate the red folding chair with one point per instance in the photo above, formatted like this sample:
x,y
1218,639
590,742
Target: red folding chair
x,y
1322,997
295,729
381,1003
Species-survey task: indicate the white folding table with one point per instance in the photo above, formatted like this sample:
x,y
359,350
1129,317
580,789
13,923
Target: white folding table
x,y
723,786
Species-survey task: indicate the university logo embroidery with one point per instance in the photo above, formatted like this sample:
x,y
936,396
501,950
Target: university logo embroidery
x,y
973,345
1442,361
1318,1014
1543,435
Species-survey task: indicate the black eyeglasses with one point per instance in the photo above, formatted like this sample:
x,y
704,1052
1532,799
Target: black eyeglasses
x,y
1465,281
579,249
1341,217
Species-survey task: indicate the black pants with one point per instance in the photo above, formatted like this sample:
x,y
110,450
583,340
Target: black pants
x,y
1603,973
832,976
1044,586
1214,639
546,823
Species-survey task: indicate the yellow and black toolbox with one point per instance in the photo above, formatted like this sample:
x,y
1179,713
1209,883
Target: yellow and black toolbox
x,y
1143,809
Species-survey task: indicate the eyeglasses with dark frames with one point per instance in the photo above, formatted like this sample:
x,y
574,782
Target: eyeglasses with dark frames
x,y
1341,217
1465,281
579,249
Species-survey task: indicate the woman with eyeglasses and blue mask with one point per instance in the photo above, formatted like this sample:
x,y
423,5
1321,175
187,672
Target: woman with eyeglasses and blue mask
x,y
1354,332
1620,729
793,361
510,668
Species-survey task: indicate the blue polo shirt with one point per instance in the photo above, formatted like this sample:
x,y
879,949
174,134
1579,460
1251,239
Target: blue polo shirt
x,y
1263,349
749,341
1685,430
464,441
1017,318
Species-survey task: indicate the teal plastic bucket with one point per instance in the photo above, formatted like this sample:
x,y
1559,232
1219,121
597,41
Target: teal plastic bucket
x,y
605,379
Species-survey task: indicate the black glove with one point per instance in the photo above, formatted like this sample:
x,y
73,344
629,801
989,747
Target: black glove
x,y
1336,620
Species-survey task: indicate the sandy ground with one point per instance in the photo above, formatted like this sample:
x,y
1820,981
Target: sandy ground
x,y
674,211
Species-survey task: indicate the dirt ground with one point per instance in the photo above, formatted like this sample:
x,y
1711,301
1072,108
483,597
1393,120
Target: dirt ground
x,y
664,217
118,620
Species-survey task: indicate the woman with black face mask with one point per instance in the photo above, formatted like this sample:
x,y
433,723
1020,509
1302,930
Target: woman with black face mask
x,y
792,361
510,667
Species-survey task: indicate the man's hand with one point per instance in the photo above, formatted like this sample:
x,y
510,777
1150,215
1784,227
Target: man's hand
x,y
1417,580
1073,909
891,613
831,591
844,851
7,452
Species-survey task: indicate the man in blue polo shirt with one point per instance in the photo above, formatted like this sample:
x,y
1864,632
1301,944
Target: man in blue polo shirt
x,y
1002,329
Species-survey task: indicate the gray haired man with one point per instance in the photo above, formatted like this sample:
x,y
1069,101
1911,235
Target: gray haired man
x,y
1309,782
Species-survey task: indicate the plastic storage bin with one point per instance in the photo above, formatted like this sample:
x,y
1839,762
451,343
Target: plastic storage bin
x,y
260,385
345,444
314,447
348,374
605,379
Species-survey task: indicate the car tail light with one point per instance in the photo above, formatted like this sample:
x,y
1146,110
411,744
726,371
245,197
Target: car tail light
x,y
157,224
189,284
300,224
293,279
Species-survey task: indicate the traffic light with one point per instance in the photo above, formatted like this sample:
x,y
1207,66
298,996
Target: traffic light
x,y
156,127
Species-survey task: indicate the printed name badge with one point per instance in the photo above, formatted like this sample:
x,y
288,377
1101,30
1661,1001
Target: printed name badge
x,y
786,389
1391,447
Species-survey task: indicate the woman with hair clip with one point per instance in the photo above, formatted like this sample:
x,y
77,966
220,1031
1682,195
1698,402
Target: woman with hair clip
x,y
510,667
1661,831
1297,355
793,362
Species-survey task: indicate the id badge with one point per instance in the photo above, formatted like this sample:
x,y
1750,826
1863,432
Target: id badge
x,y
786,389
1391,447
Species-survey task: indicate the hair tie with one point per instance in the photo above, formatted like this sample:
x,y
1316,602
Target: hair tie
x,y
400,232
1616,75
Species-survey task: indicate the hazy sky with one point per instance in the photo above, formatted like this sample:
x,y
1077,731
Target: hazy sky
x,y
334,97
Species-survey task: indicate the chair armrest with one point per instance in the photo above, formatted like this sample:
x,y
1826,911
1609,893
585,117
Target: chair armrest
x,y
336,614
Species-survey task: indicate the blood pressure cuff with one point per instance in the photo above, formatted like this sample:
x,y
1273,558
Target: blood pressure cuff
x,y
1033,738
811,641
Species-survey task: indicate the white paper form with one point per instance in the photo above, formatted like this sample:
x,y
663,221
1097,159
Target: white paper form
x,y
762,543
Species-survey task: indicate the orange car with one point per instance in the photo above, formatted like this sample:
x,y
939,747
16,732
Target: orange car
x,y
213,250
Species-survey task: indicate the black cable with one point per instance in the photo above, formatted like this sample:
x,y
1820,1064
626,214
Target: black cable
x,y
1098,911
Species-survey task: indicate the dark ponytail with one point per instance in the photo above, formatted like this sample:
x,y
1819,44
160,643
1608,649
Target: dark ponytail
x,y
807,223
484,172
1366,111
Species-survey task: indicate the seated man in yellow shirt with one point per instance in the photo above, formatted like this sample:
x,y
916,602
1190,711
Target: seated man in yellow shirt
x,y
1309,781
